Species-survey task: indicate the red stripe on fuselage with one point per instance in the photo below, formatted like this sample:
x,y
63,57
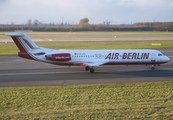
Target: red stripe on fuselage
x,y
109,63
18,44
134,63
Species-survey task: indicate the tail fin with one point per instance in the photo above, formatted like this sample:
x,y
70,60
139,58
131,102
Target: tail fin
x,y
26,46
23,42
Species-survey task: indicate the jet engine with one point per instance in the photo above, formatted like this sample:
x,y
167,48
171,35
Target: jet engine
x,y
59,57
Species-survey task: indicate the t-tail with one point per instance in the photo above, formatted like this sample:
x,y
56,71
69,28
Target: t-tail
x,y
26,46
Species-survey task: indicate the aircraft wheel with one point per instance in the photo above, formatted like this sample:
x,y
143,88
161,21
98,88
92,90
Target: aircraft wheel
x,y
153,68
87,68
91,70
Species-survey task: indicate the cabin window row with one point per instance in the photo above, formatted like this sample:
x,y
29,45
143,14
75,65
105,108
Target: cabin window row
x,y
82,55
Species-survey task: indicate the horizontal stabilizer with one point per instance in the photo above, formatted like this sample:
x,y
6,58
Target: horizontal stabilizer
x,y
16,34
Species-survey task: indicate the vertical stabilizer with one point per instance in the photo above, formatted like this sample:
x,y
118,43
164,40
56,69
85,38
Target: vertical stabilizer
x,y
25,44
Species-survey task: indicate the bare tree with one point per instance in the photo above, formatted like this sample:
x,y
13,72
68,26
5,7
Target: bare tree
x,y
35,22
29,22
12,23
52,24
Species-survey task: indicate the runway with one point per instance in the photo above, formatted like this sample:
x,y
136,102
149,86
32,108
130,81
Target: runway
x,y
16,72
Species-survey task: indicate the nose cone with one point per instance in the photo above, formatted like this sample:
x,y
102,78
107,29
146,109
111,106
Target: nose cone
x,y
166,59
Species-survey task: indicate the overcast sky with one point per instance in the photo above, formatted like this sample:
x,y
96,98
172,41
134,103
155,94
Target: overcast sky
x,y
97,11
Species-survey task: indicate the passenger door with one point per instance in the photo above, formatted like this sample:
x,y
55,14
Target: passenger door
x,y
153,57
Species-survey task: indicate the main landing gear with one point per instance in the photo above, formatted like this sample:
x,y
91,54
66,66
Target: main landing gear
x,y
91,69
153,67
87,68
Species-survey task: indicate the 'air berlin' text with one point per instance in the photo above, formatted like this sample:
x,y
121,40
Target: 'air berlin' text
x,y
128,56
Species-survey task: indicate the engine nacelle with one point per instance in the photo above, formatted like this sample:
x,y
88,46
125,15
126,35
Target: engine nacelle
x,y
59,57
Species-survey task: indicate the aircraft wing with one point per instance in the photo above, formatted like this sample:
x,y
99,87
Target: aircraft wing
x,y
93,63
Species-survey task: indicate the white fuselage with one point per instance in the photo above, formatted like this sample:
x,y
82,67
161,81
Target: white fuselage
x,y
111,57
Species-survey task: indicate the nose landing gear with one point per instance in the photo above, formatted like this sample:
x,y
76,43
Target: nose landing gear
x,y
153,67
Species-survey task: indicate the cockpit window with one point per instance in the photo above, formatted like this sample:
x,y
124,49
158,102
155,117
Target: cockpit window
x,y
159,54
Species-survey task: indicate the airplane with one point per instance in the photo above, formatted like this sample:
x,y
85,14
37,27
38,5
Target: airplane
x,y
86,58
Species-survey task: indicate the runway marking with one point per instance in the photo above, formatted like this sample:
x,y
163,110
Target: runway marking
x,y
50,39
81,72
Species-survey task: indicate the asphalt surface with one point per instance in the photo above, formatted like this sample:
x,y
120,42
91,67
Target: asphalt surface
x,y
15,72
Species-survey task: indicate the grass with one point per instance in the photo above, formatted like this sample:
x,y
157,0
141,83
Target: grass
x,y
11,48
101,101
